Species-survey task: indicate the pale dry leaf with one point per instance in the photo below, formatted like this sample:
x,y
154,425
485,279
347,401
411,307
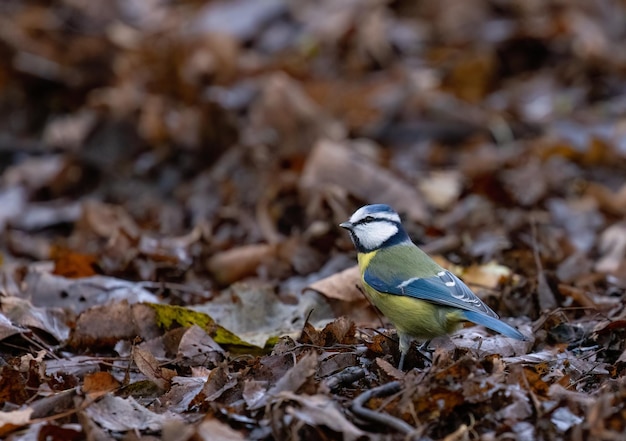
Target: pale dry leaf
x,y
7,328
254,391
174,430
36,216
218,382
214,430
182,393
107,220
21,312
229,266
489,343
559,393
441,189
78,366
149,366
291,381
45,289
170,248
564,419
104,325
333,163
91,430
611,201
580,218
123,414
196,347
389,369
14,418
69,131
13,201
242,19
34,173
342,285
256,313
337,363
536,357
285,117
25,361
321,410
527,183
612,248
488,275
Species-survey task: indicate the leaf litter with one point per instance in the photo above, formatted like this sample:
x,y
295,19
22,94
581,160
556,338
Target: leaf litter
x,y
172,180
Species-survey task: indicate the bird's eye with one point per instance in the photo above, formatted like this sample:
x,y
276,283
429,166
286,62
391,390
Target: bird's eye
x,y
368,219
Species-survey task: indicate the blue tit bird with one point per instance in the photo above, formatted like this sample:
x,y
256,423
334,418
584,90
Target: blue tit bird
x,y
420,298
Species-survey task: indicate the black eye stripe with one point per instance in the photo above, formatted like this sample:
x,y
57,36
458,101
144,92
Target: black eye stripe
x,y
371,219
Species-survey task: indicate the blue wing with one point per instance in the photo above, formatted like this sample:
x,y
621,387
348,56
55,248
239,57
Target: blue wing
x,y
494,324
444,288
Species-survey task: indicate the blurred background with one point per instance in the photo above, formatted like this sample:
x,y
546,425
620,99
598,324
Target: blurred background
x,y
150,137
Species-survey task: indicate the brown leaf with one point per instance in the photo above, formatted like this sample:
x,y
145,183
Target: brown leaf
x,y
212,429
229,266
196,347
107,220
7,329
293,118
73,265
338,165
295,378
149,366
52,321
124,414
320,410
11,420
337,363
441,189
76,295
341,286
103,326
612,248
172,249
218,382
99,383
339,332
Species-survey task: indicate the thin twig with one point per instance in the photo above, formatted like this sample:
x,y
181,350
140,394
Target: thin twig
x,y
347,376
358,407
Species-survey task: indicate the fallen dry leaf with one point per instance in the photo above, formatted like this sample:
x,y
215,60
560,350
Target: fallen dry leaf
x,y
336,164
194,160
342,285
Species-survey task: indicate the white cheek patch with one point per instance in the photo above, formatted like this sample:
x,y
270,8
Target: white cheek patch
x,y
373,235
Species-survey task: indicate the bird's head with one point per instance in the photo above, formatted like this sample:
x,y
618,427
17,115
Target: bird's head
x,y
375,226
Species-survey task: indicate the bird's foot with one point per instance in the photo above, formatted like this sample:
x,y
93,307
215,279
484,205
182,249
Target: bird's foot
x,y
426,352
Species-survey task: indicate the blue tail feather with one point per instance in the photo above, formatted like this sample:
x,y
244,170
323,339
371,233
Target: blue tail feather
x,y
494,324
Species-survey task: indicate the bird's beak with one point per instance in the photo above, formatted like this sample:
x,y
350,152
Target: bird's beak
x,y
346,225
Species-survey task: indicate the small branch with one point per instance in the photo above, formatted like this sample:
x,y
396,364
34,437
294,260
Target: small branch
x,y
358,407
346,376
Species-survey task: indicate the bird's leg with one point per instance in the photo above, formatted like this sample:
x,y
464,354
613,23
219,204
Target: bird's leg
x,y
401,364
405,344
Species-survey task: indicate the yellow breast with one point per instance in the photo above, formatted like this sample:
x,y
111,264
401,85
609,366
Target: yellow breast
x,y
417,318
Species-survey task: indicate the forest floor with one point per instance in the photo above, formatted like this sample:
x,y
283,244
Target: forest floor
x,y
172,179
